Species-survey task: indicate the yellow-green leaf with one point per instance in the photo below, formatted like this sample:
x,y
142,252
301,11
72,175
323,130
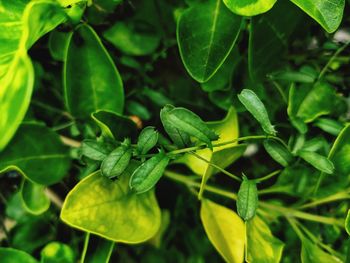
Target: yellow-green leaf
x,y
225,229
111,210
249,7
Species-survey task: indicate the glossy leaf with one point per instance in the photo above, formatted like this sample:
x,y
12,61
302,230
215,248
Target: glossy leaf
x,y
191,124
112,210
10,255
278,152
91,80
347,223
37,153
148,138
148,173
206,33
318,161
114,126
225,230
262,246
56,252
24,25
255,106
328,14
117,161
134,38
34,199
95,150
180,138
311,253
247,199
249,7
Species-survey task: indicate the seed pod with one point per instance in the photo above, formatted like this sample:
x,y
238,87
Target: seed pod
x,y
148,138
247,201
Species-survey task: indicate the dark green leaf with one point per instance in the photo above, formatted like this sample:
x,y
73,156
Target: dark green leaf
x,y
117,161
58,44
206,33
255,106
148,173
10,255
91,80
311,253
249,7
293,76
37,153
347,223
329,125
247,199
318,161
34,198
278,152
95,150
147,140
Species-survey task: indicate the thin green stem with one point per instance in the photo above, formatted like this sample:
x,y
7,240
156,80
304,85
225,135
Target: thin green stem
x,y
273,190
268,176
235,177
330,61
280,90
296,229
328,199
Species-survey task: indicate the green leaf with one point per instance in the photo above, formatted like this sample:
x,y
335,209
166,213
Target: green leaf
x,y
95,150
56,252
191,124
117,161
34,198
91,80
111,210
328,14
134,38
247,199
255,106
223,156
180,138
311,253
114,126
206,34
23,26
318,161
293,76
37,153
225,230
148,173
278,152
249,7
148,138
347,223
329,125
58,44
262,246
97,249
10,255
269,37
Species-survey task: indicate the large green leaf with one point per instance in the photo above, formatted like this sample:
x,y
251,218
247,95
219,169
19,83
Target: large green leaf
x,y
311,253
206,33
262,246
328,13
10,255
249,7
21,26
91,80
110,209
225,230
37,153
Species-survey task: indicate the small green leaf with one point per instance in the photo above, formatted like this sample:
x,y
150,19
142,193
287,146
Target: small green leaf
x,y
278,152
318,161
148,138
262,246
191,124
37,153
10,255
34,198
111,210
328,14
247,199
117,161
56,252
311,253
91,80
95,150
58,44
249,7
347,223
148,173
293,76
255,106
180,138
225,230
329,125
206,34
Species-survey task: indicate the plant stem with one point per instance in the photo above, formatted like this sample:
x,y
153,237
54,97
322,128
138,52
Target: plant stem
x,y
268,176
70,142
328,199
217,167
272,190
